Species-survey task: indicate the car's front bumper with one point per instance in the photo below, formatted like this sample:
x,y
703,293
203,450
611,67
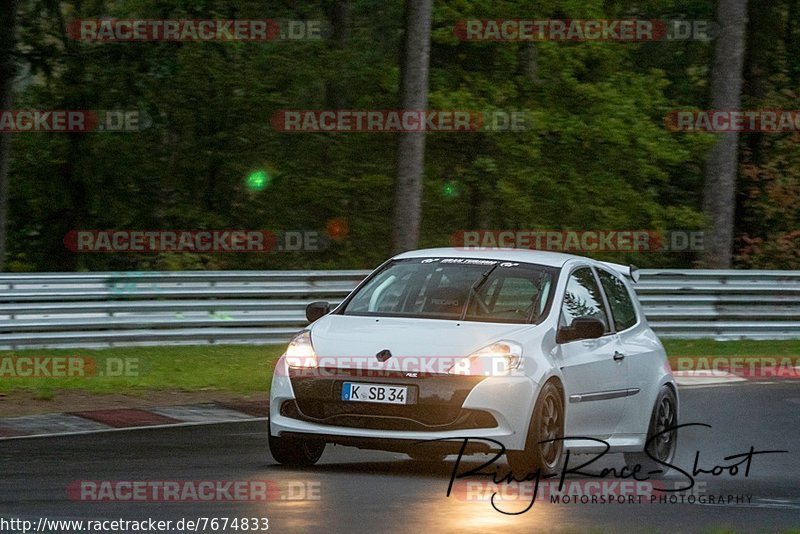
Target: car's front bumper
x,y
447,408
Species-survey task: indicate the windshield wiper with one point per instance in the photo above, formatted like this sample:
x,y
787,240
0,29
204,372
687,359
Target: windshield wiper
x,y
476,286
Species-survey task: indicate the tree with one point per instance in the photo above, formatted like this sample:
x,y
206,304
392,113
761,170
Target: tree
x,y
768,210
407,206
722,160
8,17
340,33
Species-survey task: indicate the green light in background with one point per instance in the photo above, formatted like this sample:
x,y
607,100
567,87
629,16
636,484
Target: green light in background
x,y
258,180
450,189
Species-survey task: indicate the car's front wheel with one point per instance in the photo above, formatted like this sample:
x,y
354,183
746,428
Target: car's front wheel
x,y
543,444
295,451
661,441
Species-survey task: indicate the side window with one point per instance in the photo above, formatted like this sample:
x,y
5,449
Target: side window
x,y
383,293
582,298
619,299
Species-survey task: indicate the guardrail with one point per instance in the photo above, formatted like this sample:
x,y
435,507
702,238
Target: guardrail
x,y
722,304
196,307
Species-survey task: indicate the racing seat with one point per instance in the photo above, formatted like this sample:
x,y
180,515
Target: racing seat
x,y
445,301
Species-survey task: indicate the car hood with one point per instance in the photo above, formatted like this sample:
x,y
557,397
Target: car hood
x,y
346,336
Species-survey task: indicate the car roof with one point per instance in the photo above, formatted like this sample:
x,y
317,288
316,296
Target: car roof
x,y
539,257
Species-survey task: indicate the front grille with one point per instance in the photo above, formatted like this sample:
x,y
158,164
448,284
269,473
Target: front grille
x,y
435,401
424,418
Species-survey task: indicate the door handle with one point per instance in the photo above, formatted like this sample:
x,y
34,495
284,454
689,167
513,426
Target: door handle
x,y
618,356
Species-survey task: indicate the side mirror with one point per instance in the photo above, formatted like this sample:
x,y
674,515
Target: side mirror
x,y
586,327
317,309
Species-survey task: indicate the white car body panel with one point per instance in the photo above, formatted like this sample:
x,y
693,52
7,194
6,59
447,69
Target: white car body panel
x,y
586,368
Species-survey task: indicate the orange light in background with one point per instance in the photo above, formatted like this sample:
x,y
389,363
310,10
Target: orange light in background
x,y
337,229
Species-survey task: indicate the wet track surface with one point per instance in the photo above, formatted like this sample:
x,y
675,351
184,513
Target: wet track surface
x,y
367,491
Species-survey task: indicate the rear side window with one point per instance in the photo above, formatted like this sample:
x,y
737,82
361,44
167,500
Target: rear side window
x,y
619,299
582,299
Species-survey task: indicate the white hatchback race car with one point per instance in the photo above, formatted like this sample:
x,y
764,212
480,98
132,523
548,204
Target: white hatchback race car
x,y
521,351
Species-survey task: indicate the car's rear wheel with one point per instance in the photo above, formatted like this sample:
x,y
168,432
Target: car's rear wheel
x,y
295,451
543,446
664,417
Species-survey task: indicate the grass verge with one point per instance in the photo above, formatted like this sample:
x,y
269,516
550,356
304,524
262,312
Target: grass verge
x,y
248,369
746,349
137,370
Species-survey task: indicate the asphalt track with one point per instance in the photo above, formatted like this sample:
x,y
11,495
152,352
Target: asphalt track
x,y
367,491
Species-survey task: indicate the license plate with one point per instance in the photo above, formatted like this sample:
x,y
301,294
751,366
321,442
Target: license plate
x,y
362,392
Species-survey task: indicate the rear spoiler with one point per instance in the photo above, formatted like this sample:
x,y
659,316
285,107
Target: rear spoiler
x,y
631,271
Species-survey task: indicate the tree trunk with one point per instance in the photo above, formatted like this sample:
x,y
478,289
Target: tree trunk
x,y
722,160
8,18
340,34
407,208
527,62
790,41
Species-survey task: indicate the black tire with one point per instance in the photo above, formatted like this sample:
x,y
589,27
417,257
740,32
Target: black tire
x,y
296,452
547,423
665,415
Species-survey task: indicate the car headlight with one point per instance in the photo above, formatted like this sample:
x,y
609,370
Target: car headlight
x,y
498,359
300,352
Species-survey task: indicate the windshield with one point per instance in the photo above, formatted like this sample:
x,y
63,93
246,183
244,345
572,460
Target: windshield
x,y
457,288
